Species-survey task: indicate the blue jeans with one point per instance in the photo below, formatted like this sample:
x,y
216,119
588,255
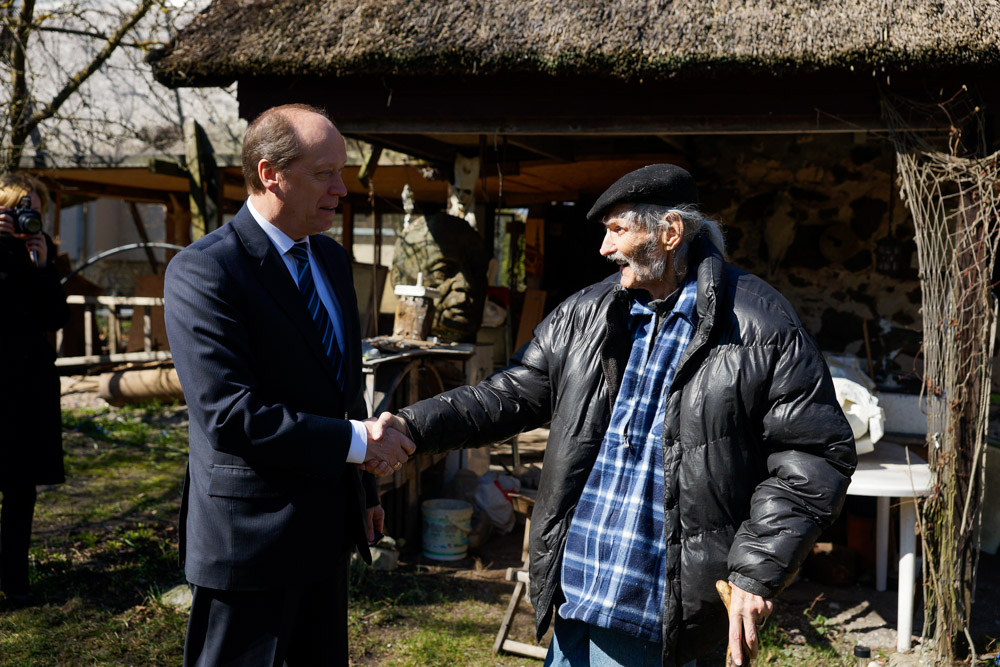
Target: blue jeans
x,y
579,644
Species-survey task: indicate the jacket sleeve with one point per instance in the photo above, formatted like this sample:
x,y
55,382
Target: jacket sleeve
x,y
810,456
512,400
227,400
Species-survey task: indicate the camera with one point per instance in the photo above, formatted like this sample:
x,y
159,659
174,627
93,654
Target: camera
x,y
26,219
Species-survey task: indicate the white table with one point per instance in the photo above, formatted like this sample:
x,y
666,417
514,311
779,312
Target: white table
x,y
884,474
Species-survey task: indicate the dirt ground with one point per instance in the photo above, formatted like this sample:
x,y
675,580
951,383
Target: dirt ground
x,y
80,391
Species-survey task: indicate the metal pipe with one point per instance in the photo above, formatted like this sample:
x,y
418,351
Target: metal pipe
x,y
122,248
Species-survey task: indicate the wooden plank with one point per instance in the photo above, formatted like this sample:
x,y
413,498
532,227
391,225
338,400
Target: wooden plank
x,y
74,188
796,102
415,145
88,331
527,650
197,201
508,617
148,331
382,129
557,149
92,359
531,314
140,227
112,331
80,299
367,171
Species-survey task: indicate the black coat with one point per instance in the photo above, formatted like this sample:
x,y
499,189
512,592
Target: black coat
x,y
757,454
32,303
269,498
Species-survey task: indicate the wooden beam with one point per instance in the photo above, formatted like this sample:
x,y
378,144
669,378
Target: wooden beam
x,y
57,222
419,147
347,226
75,188
384,131
672,141
140,227
178,223
367,171
558,149
201,218
168,168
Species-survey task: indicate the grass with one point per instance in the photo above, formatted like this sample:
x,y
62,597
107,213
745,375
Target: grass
x,y
104,546
808,639
104,553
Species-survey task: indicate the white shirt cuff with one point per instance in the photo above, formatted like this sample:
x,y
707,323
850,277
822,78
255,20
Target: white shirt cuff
x,y
359,443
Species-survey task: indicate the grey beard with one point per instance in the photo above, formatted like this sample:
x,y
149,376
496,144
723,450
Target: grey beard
x,y
648,262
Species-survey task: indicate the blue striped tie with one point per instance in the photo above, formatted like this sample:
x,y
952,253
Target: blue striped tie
x,y
317,311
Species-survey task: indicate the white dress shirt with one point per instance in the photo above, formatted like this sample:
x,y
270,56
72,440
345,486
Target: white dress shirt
x,y
283,243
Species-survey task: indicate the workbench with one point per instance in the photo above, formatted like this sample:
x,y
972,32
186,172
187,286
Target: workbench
x,y
393,381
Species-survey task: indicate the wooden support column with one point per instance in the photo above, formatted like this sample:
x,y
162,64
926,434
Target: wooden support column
x,y
204,186
57,215
178,223
347,227
140,227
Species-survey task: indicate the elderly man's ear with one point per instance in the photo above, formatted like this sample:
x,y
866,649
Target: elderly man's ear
x,y
672,234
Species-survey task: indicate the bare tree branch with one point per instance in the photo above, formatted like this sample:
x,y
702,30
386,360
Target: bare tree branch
x,y
75,87
100,36
77,80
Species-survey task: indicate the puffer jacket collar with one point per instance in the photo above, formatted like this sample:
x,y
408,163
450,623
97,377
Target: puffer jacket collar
x,y
711,292
617,347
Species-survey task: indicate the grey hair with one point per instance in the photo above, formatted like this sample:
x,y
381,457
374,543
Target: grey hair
x,y
652,218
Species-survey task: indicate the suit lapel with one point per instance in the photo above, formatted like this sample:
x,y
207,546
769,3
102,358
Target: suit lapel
x,y
279,283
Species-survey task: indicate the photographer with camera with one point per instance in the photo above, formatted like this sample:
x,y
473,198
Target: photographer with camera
x,y
32,303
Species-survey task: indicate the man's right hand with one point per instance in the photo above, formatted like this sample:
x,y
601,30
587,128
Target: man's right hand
x,y
389,445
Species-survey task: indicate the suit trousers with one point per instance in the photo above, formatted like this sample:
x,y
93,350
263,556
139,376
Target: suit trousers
x,y
297,626
15,535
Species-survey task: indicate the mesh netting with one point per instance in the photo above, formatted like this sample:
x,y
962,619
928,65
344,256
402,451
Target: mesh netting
x,y
954,203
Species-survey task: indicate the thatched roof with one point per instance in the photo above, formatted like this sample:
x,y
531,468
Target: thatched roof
x,y
621,38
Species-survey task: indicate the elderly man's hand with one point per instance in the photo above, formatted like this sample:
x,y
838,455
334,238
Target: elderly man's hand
x,y
387,420
747,613
389,445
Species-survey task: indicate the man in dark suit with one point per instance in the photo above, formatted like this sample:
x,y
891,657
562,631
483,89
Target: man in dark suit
x,y
264,329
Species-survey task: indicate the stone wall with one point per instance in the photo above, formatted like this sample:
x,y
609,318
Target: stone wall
x,y
805,213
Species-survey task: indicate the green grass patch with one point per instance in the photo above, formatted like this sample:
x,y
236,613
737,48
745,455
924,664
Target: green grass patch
x,y
104,545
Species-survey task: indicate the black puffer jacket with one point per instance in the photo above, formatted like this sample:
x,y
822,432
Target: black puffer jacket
x,y
757,454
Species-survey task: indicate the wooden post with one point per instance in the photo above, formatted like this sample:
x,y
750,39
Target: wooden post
x,y
113,330
178,223
347,226
203,180
140,227
147,329
88,330
57,215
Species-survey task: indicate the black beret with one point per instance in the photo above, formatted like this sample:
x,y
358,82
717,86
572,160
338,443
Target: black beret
x,y
662,184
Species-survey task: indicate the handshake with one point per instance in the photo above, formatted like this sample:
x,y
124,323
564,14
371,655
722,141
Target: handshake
x,y
389,444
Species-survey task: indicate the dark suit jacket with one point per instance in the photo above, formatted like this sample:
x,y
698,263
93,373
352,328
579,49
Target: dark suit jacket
x,y
268,497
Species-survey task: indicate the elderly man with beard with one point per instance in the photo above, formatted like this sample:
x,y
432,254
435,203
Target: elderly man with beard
x,y
694,436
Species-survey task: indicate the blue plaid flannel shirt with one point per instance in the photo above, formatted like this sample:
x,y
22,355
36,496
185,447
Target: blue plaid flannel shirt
x,y
613,572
